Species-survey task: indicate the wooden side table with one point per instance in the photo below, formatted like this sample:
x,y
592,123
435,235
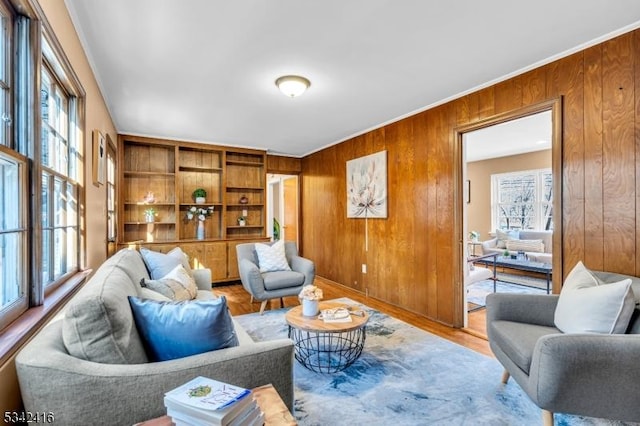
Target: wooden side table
x,y
274,409
326,347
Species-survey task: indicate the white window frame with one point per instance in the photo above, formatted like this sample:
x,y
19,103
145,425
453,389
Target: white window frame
x,y
540,205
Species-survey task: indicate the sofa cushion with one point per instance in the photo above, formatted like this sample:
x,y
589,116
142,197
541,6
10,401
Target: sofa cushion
x,y
173,330
586,305
272,257
545,236
282,279
176,285
518,340
97,325
503,236
160,264
535,246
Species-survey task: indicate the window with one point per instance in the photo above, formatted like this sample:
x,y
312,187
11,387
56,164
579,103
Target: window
x,y
522,200
6,66
111,197
59,180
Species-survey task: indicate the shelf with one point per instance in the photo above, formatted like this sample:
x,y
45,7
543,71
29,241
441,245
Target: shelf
x,y
244,163
142,203
149,223
201,205
244,227
246,205
201,169
245,188
128,173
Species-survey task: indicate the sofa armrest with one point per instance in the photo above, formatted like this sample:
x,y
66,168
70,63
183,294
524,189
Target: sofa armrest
x,y
601,369
489,244
51,380
304,266
202,278
251,278
526,308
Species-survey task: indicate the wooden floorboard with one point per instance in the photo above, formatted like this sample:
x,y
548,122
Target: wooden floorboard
x,y
239,303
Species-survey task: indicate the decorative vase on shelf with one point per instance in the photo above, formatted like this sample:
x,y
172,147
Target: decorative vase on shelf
x,y
244,200
200,230
149,218
310,308
200,200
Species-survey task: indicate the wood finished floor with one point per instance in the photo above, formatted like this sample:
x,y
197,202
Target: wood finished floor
x,y
239,303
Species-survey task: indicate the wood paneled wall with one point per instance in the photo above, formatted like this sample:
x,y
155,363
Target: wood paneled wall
x,y
283,165
409,261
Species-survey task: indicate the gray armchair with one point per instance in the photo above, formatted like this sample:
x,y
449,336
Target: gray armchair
x,y
594,375
273,285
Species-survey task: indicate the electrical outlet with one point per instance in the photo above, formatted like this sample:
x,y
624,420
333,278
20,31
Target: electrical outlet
x,y
364,268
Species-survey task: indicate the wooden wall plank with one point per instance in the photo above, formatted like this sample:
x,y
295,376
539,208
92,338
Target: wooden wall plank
x,y
636,57
593,208
618,162
566,79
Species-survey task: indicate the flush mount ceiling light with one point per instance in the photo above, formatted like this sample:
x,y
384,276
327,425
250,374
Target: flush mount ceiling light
x,y
292,85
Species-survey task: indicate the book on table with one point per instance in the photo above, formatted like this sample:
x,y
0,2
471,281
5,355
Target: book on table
x,y
207,401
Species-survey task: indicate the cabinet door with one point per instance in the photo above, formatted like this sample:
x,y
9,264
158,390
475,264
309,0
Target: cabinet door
x,y
216,259
232,261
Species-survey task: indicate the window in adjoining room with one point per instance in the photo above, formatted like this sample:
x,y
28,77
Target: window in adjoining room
x,y
522,200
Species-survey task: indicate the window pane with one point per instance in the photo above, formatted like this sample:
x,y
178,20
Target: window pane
x,y
59,201
72,248
45,201
59,252
46,256
10,262
72,205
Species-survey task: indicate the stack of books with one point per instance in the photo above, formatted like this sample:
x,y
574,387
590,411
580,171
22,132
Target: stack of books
x,y
204,401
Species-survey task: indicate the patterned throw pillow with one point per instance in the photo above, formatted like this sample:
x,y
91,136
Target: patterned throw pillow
x,y
272,258
176,285
536,246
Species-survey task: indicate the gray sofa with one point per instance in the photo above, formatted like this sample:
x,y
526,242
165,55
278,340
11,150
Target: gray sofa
x,y
587,374
491,246
130,390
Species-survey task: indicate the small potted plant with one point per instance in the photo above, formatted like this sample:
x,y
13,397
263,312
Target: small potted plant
x,y
150,215
200,196
474,236
310,297
242,221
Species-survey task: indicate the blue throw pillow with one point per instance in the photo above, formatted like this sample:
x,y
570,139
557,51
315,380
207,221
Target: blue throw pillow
x,y
173,330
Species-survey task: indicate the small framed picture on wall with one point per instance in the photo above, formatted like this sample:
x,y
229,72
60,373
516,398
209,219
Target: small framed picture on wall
x,y
99,158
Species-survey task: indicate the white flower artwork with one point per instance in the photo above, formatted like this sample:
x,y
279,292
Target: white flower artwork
x,y
367,186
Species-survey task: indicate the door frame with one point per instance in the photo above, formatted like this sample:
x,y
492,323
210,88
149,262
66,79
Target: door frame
x,y
555,106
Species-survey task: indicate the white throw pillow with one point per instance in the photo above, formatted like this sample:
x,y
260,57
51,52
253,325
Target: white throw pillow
x,y
586,305
536,246
272,258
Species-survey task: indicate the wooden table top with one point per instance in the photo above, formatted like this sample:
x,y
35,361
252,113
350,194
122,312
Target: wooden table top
x,y
295,319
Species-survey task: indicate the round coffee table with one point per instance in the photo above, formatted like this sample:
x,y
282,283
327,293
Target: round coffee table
x,y
326,347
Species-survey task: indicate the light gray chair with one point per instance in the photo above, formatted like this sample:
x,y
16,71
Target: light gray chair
x,y
593,375
273,285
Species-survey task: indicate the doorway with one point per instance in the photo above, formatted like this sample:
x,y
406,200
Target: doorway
x,y
282,207
483,206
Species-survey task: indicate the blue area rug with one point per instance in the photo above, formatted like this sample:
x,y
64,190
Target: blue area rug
x,y
477,292
406,376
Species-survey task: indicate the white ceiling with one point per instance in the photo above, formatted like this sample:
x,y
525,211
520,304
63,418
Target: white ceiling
x,y
204,70
526,134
